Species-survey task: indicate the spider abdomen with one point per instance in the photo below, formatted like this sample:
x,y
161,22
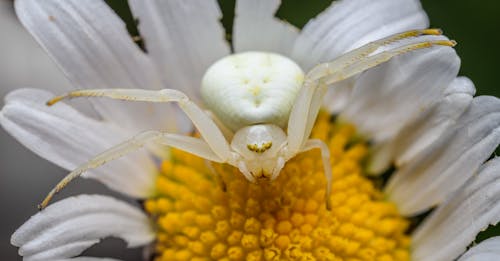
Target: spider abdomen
x,y
252,88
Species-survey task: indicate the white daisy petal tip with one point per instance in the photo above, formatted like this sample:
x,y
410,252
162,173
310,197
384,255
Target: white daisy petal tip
x,y
445,165
68,227
183,39
487,250
461,84
431,125
446,233
408,84
257,28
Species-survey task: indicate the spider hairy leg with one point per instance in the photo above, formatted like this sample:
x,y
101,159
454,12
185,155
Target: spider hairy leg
x,y
214,147
307,104
365,50
218,177
189,144
372,61
304,113
205,125
166,95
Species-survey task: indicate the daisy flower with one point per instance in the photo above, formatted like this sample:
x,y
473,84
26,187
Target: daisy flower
x,y
412,113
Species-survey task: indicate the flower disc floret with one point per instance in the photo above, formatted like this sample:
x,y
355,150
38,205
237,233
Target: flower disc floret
x,y
281,220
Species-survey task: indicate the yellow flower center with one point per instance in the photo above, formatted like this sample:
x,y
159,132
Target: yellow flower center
x,y
282,220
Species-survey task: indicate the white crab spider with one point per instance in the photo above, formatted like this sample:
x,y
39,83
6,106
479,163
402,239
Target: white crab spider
x,y
257,127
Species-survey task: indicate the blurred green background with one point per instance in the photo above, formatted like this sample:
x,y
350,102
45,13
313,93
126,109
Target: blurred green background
x,y
474,24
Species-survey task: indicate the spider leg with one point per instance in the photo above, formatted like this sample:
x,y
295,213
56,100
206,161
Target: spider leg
x,y
228,133
189,144
205,125
316,103
303,114
363,51
218,177
309,99
348,65
380,58
325,156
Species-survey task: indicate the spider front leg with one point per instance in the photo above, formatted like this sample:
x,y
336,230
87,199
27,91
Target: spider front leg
x,y
213,148
205,125
309,98
218,177
372,61
189,144
300,123
304,113
358,54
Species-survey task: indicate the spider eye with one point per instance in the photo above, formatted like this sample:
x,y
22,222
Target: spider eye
x,y
260,148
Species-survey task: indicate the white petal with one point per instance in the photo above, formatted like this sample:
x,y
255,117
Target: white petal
x,y
452,226
388,97
23,62
67,138
88,259
422,132
337,97
183,38
257,29
425,130
447,163
70,226
487,250
382,155
346,25
430,126
93,48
